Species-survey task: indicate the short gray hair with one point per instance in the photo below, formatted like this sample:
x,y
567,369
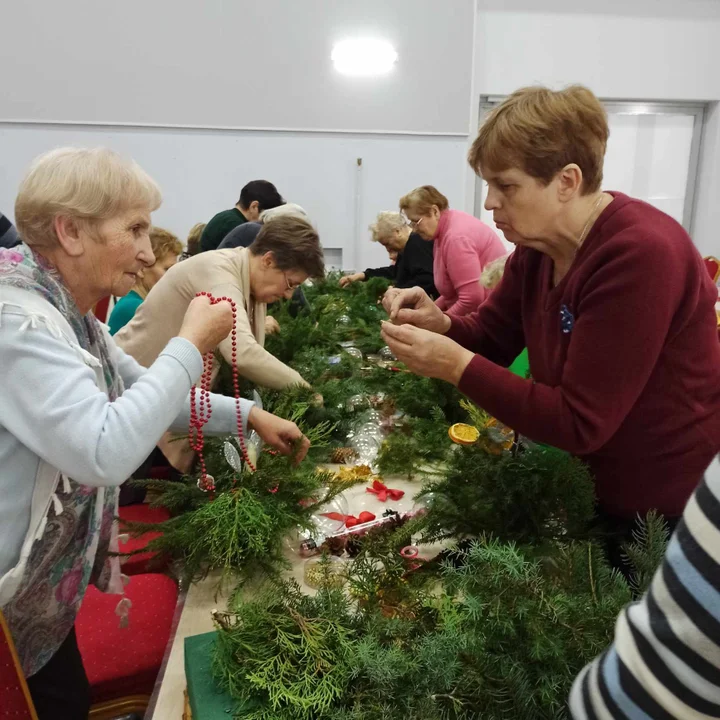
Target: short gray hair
x,y
284,209
386,223
87,184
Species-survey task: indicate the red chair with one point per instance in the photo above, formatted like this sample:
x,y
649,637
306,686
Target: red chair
x,y
122,664
713,267
15,700
102,310
146,561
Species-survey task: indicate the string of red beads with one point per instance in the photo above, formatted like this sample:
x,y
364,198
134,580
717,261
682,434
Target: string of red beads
x,y
201,406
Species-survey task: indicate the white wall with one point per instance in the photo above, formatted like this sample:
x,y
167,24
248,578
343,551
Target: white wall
x,y
201,173
631,49
244,64
193,90
621,49
706,230
235,63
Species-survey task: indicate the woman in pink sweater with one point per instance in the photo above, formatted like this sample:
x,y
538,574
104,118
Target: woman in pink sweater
x,y
464,245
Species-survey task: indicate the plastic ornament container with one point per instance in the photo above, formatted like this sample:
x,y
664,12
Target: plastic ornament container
x,y
306,542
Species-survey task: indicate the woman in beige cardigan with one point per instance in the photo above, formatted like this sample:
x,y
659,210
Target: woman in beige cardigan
x,y
285,253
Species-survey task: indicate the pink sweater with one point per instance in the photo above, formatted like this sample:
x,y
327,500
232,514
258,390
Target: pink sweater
x,y
464,245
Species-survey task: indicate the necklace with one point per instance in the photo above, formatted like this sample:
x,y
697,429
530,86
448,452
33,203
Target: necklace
x,y
557,274
591,218
201,407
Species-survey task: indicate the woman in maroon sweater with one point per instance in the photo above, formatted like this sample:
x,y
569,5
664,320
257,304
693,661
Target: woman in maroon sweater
x,y
608,294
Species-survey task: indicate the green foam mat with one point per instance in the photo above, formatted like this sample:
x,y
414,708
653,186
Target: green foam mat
x,y
207,701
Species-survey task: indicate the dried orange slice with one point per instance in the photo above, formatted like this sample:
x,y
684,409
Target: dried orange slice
x,y
463,434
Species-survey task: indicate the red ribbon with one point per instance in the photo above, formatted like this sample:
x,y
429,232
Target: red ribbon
x,y
383,491
350,520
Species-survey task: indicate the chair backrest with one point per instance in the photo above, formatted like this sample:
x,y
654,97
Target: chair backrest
x,y
713,267
16,702
102,310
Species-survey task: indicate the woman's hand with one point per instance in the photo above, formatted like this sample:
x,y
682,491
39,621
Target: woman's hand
x,y
413,306
206,324
427,353
272,326
349,279
278,433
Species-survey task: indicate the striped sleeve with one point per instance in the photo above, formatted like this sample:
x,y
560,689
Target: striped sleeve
x,y
665,659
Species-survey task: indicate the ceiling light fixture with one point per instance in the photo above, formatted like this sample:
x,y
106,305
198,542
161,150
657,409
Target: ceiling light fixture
x,y
364,57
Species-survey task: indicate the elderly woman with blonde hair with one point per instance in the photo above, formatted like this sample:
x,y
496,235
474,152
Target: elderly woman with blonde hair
x,y
611,299
413,257
77,415
462,247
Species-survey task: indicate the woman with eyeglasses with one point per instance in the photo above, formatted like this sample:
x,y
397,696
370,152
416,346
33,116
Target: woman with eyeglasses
x,y
411,257
285,253
464,245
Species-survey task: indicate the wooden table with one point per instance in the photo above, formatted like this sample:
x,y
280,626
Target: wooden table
x,y
193,615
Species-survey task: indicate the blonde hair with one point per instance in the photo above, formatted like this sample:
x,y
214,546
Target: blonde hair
x,y
421,199
541,131
87,184
193,238
492,273
284,209
164,243
386,223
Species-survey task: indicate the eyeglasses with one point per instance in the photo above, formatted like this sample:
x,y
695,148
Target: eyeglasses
x,y
290,286
414,224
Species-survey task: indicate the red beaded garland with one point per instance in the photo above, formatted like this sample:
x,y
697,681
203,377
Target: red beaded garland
x,y
201,410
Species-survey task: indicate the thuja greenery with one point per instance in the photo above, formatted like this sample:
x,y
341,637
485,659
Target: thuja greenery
x,y
497,630
495,636
239,528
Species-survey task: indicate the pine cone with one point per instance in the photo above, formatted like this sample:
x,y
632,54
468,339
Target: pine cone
x,y
340,456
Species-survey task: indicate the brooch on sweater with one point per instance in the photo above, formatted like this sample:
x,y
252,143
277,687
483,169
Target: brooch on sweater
x,y
567,320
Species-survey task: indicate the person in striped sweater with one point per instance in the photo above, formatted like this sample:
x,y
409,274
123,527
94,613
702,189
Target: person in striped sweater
x,y
665,660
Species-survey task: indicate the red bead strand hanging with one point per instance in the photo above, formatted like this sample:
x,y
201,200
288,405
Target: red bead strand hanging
x,y
201,409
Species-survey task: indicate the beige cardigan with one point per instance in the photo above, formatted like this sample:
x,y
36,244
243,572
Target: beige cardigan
x,y
222,273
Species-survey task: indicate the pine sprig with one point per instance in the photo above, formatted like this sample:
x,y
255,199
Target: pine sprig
x,y
526,497
646,551
499,637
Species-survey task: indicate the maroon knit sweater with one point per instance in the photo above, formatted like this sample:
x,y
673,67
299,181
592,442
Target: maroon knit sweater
x,y
624,356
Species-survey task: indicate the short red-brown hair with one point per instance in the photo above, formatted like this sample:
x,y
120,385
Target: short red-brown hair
x,y
421,199
540,131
